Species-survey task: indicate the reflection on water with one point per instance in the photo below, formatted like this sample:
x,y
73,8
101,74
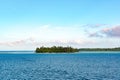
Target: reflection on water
x,y
60,66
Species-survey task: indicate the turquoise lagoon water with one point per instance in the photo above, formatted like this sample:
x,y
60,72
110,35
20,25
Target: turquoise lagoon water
x,y
79,66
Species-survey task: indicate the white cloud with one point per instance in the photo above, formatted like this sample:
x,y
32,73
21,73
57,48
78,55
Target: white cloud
x,y
32,36
113,31
31,43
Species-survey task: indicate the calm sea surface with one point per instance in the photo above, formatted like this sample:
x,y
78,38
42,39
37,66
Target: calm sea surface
x,y
79,66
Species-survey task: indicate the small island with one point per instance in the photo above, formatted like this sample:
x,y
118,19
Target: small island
x,y
61,49
56,49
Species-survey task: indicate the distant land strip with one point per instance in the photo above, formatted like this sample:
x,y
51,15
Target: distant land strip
x,y
60,49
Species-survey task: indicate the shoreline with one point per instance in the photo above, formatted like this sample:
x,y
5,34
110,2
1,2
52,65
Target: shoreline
x,y
80,52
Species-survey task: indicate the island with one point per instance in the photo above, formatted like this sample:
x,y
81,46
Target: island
x,y
56,49
100,49
60,49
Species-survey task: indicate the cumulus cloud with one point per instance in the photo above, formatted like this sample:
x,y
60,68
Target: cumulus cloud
x,y
17,42
107,32
94,25
96,34
32,43
112,32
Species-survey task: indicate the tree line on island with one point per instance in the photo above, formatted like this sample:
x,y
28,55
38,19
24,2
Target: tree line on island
x,y
100,49
56,49
60,49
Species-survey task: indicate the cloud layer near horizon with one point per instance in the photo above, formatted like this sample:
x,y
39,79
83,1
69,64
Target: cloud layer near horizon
x,y
89,35
30,42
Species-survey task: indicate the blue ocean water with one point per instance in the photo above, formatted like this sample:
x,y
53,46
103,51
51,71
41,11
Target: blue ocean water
x,y
78,66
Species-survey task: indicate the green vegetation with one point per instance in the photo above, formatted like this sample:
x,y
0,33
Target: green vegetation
x,y
60,49
55,49
99,49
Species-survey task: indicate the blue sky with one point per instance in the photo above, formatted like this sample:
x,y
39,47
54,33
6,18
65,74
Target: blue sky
x,y
27,24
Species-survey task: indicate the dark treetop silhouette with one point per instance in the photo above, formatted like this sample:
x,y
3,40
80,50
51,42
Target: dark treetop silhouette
x,y
61,49
55,49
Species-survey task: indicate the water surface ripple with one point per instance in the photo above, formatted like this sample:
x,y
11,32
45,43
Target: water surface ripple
x,y
80,66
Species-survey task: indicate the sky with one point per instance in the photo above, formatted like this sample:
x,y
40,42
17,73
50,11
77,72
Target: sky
x,y
27,24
